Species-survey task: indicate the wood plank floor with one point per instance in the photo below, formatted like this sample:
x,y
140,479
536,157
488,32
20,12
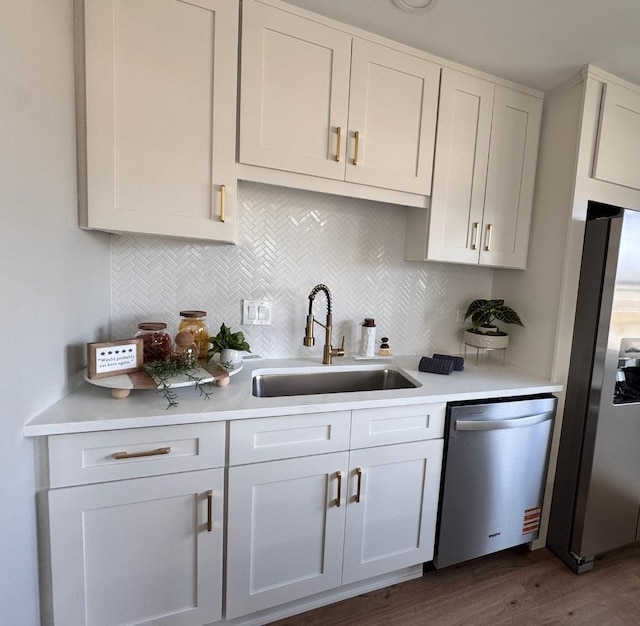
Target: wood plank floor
x,y
514,587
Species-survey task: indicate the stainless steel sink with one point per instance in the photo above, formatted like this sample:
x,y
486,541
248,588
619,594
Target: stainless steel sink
x,y
332,381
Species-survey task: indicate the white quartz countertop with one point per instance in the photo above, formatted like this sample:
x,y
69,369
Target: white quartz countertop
x,y
91,408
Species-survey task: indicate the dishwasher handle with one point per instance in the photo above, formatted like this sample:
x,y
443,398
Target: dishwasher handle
x,y
516,422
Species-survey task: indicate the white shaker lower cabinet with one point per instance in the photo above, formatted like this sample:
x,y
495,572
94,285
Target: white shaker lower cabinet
x,y
301,526
391,508
285,531
484,174
319,507
135,526
138,551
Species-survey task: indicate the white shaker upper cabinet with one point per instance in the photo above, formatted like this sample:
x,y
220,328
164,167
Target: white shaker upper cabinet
x,y
510,179
484,176
618,151
294,94
317,101
460,171
392,118
157,116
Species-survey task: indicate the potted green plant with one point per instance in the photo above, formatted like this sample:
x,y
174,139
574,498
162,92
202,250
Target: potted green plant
x,y
228,345
484,333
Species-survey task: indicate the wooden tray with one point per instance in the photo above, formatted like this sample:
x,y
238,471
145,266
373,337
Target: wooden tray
x,y
122,384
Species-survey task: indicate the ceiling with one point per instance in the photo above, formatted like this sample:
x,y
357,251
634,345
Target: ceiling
x,y
539,43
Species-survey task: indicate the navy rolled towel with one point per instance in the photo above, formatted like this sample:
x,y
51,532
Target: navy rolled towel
x,y
435,366
458,361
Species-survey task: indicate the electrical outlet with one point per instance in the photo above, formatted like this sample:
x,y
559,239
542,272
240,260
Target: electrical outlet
x,y
256,312
460,315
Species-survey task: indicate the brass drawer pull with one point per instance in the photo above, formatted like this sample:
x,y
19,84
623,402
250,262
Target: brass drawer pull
x,y
357,147
474,238
209,510
339,496
339,143
359,475
134,455
487,239
223,202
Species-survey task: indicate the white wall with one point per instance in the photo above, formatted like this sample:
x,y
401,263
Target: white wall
x,y
54,278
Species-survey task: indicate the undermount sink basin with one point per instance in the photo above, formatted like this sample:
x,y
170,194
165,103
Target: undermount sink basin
x,y
331,381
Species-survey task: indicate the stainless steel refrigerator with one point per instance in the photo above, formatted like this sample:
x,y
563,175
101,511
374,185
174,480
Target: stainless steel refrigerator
x,y
596,498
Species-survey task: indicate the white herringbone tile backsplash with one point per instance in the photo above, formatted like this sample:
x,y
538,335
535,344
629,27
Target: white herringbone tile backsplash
x,y
289,241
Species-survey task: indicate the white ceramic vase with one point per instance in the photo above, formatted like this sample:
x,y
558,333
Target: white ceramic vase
x,y
230,359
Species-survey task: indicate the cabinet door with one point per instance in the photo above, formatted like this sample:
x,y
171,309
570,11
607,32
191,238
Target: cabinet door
x,y
160,78
285,531
618,152
392,508
294,92
392,107
460,169
510,178
138,551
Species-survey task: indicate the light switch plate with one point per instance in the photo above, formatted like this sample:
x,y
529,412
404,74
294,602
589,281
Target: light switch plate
x,y
256,312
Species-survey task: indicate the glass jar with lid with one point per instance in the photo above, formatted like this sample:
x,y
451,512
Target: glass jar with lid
x,y
195,322
156,341
185,350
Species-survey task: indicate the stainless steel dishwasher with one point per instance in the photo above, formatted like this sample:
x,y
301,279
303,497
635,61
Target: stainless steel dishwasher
x,y
494,476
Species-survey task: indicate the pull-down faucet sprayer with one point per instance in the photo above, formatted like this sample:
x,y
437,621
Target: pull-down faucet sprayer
x,y
328,351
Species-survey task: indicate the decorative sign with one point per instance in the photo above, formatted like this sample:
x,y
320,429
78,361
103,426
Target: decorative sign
x,y
114,357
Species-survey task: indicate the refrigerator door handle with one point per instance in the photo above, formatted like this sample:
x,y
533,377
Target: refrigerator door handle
x,y
519,422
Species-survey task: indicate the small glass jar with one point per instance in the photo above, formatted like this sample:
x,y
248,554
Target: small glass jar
x,y
195,322
185,350
156,341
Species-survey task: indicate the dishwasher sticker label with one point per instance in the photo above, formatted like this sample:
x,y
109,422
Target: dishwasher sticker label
x,y
531,521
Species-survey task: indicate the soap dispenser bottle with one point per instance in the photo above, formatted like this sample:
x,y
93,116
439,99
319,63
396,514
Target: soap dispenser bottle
x,y
368,344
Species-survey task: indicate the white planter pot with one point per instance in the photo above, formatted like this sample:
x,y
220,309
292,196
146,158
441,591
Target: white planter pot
x,y
230,359
488,342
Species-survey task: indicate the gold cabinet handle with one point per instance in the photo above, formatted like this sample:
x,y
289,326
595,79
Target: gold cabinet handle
x,y
338,144
223,202
356,147
339,496
359,485
474,237
487,238
209,510
133,455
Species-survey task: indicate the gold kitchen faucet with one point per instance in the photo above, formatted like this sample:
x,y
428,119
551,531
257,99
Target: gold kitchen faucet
x,y
328,352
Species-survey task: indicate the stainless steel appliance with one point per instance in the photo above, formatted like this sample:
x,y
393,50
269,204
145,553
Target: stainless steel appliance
x,y
494,475
596,498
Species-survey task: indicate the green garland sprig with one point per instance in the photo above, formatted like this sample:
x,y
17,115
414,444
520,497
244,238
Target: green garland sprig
x,y
163,371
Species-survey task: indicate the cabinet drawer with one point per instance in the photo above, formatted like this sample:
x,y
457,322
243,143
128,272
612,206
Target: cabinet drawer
x,y
288,436
397,424
119,454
